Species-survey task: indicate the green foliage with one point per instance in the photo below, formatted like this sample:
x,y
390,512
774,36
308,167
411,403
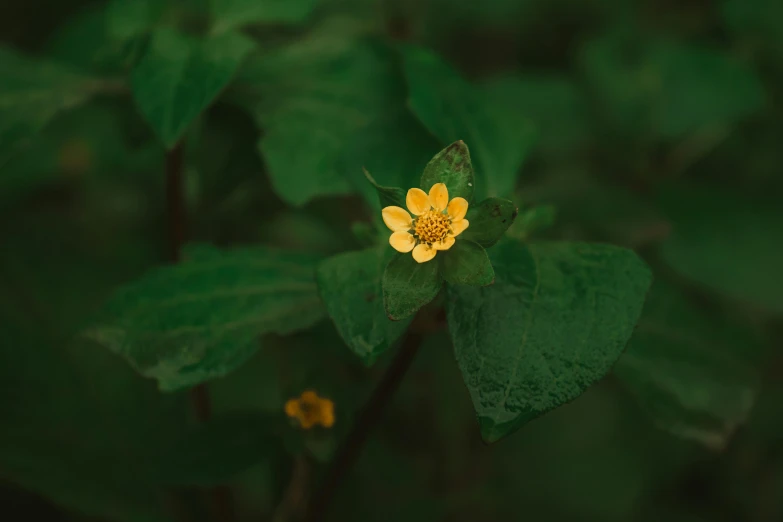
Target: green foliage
x,y
315,99
454,110
489,220
555,321
387,196
726,242
693,372
180,76
453,167
408,286
232,13
189,323
466,263
607,124
32,93
350,285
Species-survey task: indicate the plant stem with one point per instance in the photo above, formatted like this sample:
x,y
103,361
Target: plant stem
x,y
370,415
221,500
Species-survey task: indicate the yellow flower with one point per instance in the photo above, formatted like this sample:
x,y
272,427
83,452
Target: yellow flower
x,y
310,409
438,221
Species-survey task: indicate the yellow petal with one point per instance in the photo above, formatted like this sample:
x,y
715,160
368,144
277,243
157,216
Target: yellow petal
x,y
396,218
423,253
292,407
327,413
417,201
458,227
458,207
439,196
444,244
402,241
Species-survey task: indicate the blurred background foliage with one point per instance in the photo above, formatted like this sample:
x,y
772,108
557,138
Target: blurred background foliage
x,y
653,125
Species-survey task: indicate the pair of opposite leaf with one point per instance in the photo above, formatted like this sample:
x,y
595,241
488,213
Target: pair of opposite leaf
x,y
434,223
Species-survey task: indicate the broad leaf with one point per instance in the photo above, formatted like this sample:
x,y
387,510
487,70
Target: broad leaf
x,y
387,196
691,371
180,76
466,263
727,242
199,320
408,285
451,166
395,147
555,321
233,13
350,285
489,220
454,110
312,103
32,92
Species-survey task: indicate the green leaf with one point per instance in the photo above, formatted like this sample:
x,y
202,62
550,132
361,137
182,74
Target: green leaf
x,y
395,148
726,241
199,320
180,76
350,285
31,94
454,110
489,220
555,321
229,14
669,90
387,196
453,167
125,20
312,103
408,285
692,371
466,263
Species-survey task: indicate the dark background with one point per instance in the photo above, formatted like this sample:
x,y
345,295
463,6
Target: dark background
x,y
660,126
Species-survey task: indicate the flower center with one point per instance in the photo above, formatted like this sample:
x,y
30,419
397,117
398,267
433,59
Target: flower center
x,y
431,227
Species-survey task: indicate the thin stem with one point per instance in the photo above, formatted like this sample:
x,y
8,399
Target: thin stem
x,y
352,445
221,499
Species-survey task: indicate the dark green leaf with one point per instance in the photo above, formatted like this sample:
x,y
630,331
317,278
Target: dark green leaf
x,y
489,220
192,322
387,196
466,263
180,76
453,167
126,20
555,321
31,93
408,285
727,242
534,220
454,110
313,101
233,13
395,148
350,285
690,370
